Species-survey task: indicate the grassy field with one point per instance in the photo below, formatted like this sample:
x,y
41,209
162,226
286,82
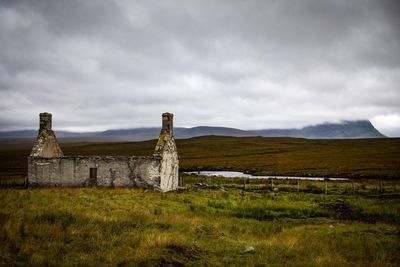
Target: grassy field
x,y
199,227
213,224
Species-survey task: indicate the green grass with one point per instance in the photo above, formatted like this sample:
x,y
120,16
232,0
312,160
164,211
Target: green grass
x,y
198,227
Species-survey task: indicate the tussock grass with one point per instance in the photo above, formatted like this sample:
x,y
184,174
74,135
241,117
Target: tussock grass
x,y
74,227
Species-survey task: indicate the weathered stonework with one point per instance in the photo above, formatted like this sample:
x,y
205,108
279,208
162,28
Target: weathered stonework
x,y
48,167
166,150
46,144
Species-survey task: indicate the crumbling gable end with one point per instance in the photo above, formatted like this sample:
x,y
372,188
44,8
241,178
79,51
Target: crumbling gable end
x,y
46,145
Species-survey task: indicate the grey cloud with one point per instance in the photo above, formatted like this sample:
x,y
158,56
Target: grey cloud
x,y
247,64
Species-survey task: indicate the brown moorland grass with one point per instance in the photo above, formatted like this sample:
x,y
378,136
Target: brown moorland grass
x,y
358,158
374,158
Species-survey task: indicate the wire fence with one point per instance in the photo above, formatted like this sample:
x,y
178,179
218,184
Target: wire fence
x,y
350,186
327,186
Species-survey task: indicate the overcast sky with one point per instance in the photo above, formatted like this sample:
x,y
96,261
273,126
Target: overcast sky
x,y
101,64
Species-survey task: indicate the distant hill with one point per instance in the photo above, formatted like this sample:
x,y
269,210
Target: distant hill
x,y
343,130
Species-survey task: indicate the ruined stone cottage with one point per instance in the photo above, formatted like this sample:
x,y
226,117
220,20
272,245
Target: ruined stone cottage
x,y
47,165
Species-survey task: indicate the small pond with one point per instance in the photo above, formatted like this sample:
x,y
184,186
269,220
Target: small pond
x,y
231,174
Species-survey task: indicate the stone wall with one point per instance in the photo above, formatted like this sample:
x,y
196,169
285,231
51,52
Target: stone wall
x,y
48,167
108,171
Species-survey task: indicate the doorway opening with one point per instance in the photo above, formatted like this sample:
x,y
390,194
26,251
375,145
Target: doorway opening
x,y
93,176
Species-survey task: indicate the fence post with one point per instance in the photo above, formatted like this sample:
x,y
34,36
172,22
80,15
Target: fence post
x,y
272,184
353,186
326,186
298,186
244,183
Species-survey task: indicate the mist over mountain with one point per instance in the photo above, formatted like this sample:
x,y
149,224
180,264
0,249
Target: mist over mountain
x,y
343,130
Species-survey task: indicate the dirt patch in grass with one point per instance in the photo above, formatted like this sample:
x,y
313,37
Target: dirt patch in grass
x,y
343,211
174,254
184,250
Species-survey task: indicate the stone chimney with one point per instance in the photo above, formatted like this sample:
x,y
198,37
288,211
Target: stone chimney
x,y
167,152
46,144
167,123
166,133
45,121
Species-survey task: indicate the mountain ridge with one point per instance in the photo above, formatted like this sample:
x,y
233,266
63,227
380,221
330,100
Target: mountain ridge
x,y
343,130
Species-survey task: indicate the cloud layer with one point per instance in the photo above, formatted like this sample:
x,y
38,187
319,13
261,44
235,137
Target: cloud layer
x,y
101,64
